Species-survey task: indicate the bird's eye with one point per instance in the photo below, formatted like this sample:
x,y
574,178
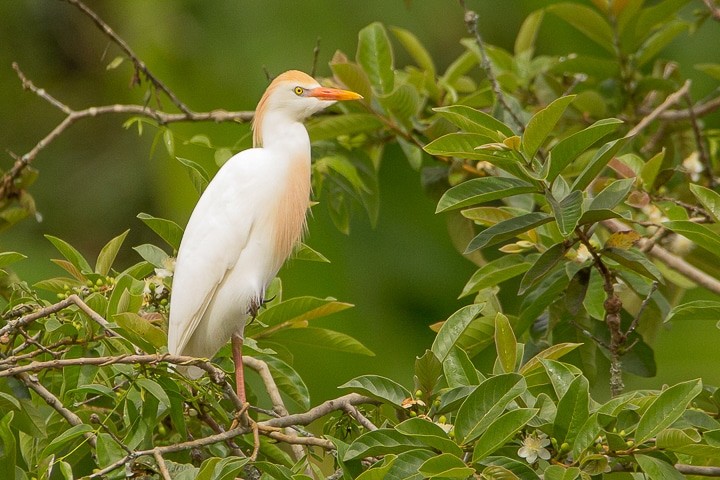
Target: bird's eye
x,y
299,91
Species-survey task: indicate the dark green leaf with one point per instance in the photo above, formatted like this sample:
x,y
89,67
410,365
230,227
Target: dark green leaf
x,y
496,272
475,121
378,387
573,410
382,441
295,311
461,145
352,76
428,371
567,212
453,328
375,55
601,158
637,262
659,40
304,252
542,266
542,123
445,466
656,469
553,352
70,253
486,404
700,234
107,255
166,229
710,199
417,51
140,331
612,195
666,409
508,229
430,434
314,338
501,430
287,380
505,343
459,370
481,190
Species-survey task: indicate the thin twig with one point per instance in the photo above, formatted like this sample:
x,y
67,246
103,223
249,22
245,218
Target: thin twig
x,y
700,142
49,398
642,308
139,64
471,22
319,411
671,100
699,109
316,56
162,466
359,417
673,261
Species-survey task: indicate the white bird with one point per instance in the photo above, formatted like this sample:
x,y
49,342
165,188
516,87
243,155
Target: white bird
x,y
246,224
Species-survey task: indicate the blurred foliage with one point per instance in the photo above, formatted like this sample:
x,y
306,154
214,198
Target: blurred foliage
x,y
558,174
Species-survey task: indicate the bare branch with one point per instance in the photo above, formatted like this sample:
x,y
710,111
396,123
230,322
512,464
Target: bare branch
x,y
162,467
34,385
319,411
359,417
671,260
671,100
471,21
699,109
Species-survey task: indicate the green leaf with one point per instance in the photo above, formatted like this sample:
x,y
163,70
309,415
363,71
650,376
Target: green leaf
x,y
314,338
329,127
352,76
166,229
695,310
296,310
601,158
154,389
453,328
475,121
700,234
287,380
428,371
445,466
374,53
556,472
481,190
666,409
107,255
378,471
588,22
382,441
499,464
567,212
508,229
140,331
659,40
198,174
553,352
413,153
650,170
6,258
380,388
573,410
544,264
461,145
486,404
525,40
637,262
612,195
505,343
8,445
429,433
152,254
416,49
709,199
459,370
542,123
501,430
304,252
656,469
169,141
495,272
66,437
70,253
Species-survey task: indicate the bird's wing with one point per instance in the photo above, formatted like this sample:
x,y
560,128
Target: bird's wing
x,y
217,233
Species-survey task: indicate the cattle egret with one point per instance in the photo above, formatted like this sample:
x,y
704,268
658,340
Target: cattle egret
x,y
246,224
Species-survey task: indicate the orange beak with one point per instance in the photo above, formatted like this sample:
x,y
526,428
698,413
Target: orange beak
x,y
333,94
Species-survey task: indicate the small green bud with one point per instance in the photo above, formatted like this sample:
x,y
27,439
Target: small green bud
x,y
630,443
442,419
418,393
622,433
565,447
89,283
413,413
99,282
163,302
61,296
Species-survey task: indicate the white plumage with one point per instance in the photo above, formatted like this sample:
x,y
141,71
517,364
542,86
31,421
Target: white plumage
x,y
246,223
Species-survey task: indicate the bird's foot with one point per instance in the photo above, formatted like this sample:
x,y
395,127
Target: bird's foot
x,y
241,417
256,304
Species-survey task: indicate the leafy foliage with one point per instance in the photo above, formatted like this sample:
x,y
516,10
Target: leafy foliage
x,y
592,204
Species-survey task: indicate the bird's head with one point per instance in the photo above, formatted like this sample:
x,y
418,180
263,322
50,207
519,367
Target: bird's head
x,y
296,95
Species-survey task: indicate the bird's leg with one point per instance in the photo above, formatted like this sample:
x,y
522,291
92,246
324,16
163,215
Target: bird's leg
x,y
237,344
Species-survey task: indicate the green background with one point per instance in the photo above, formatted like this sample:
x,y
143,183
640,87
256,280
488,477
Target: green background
x,y
402,275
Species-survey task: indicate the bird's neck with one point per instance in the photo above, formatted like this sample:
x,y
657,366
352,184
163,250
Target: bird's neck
x,y
276,130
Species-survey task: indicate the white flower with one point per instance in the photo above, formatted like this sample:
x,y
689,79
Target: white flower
x,y
583,254
693,166
534,448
